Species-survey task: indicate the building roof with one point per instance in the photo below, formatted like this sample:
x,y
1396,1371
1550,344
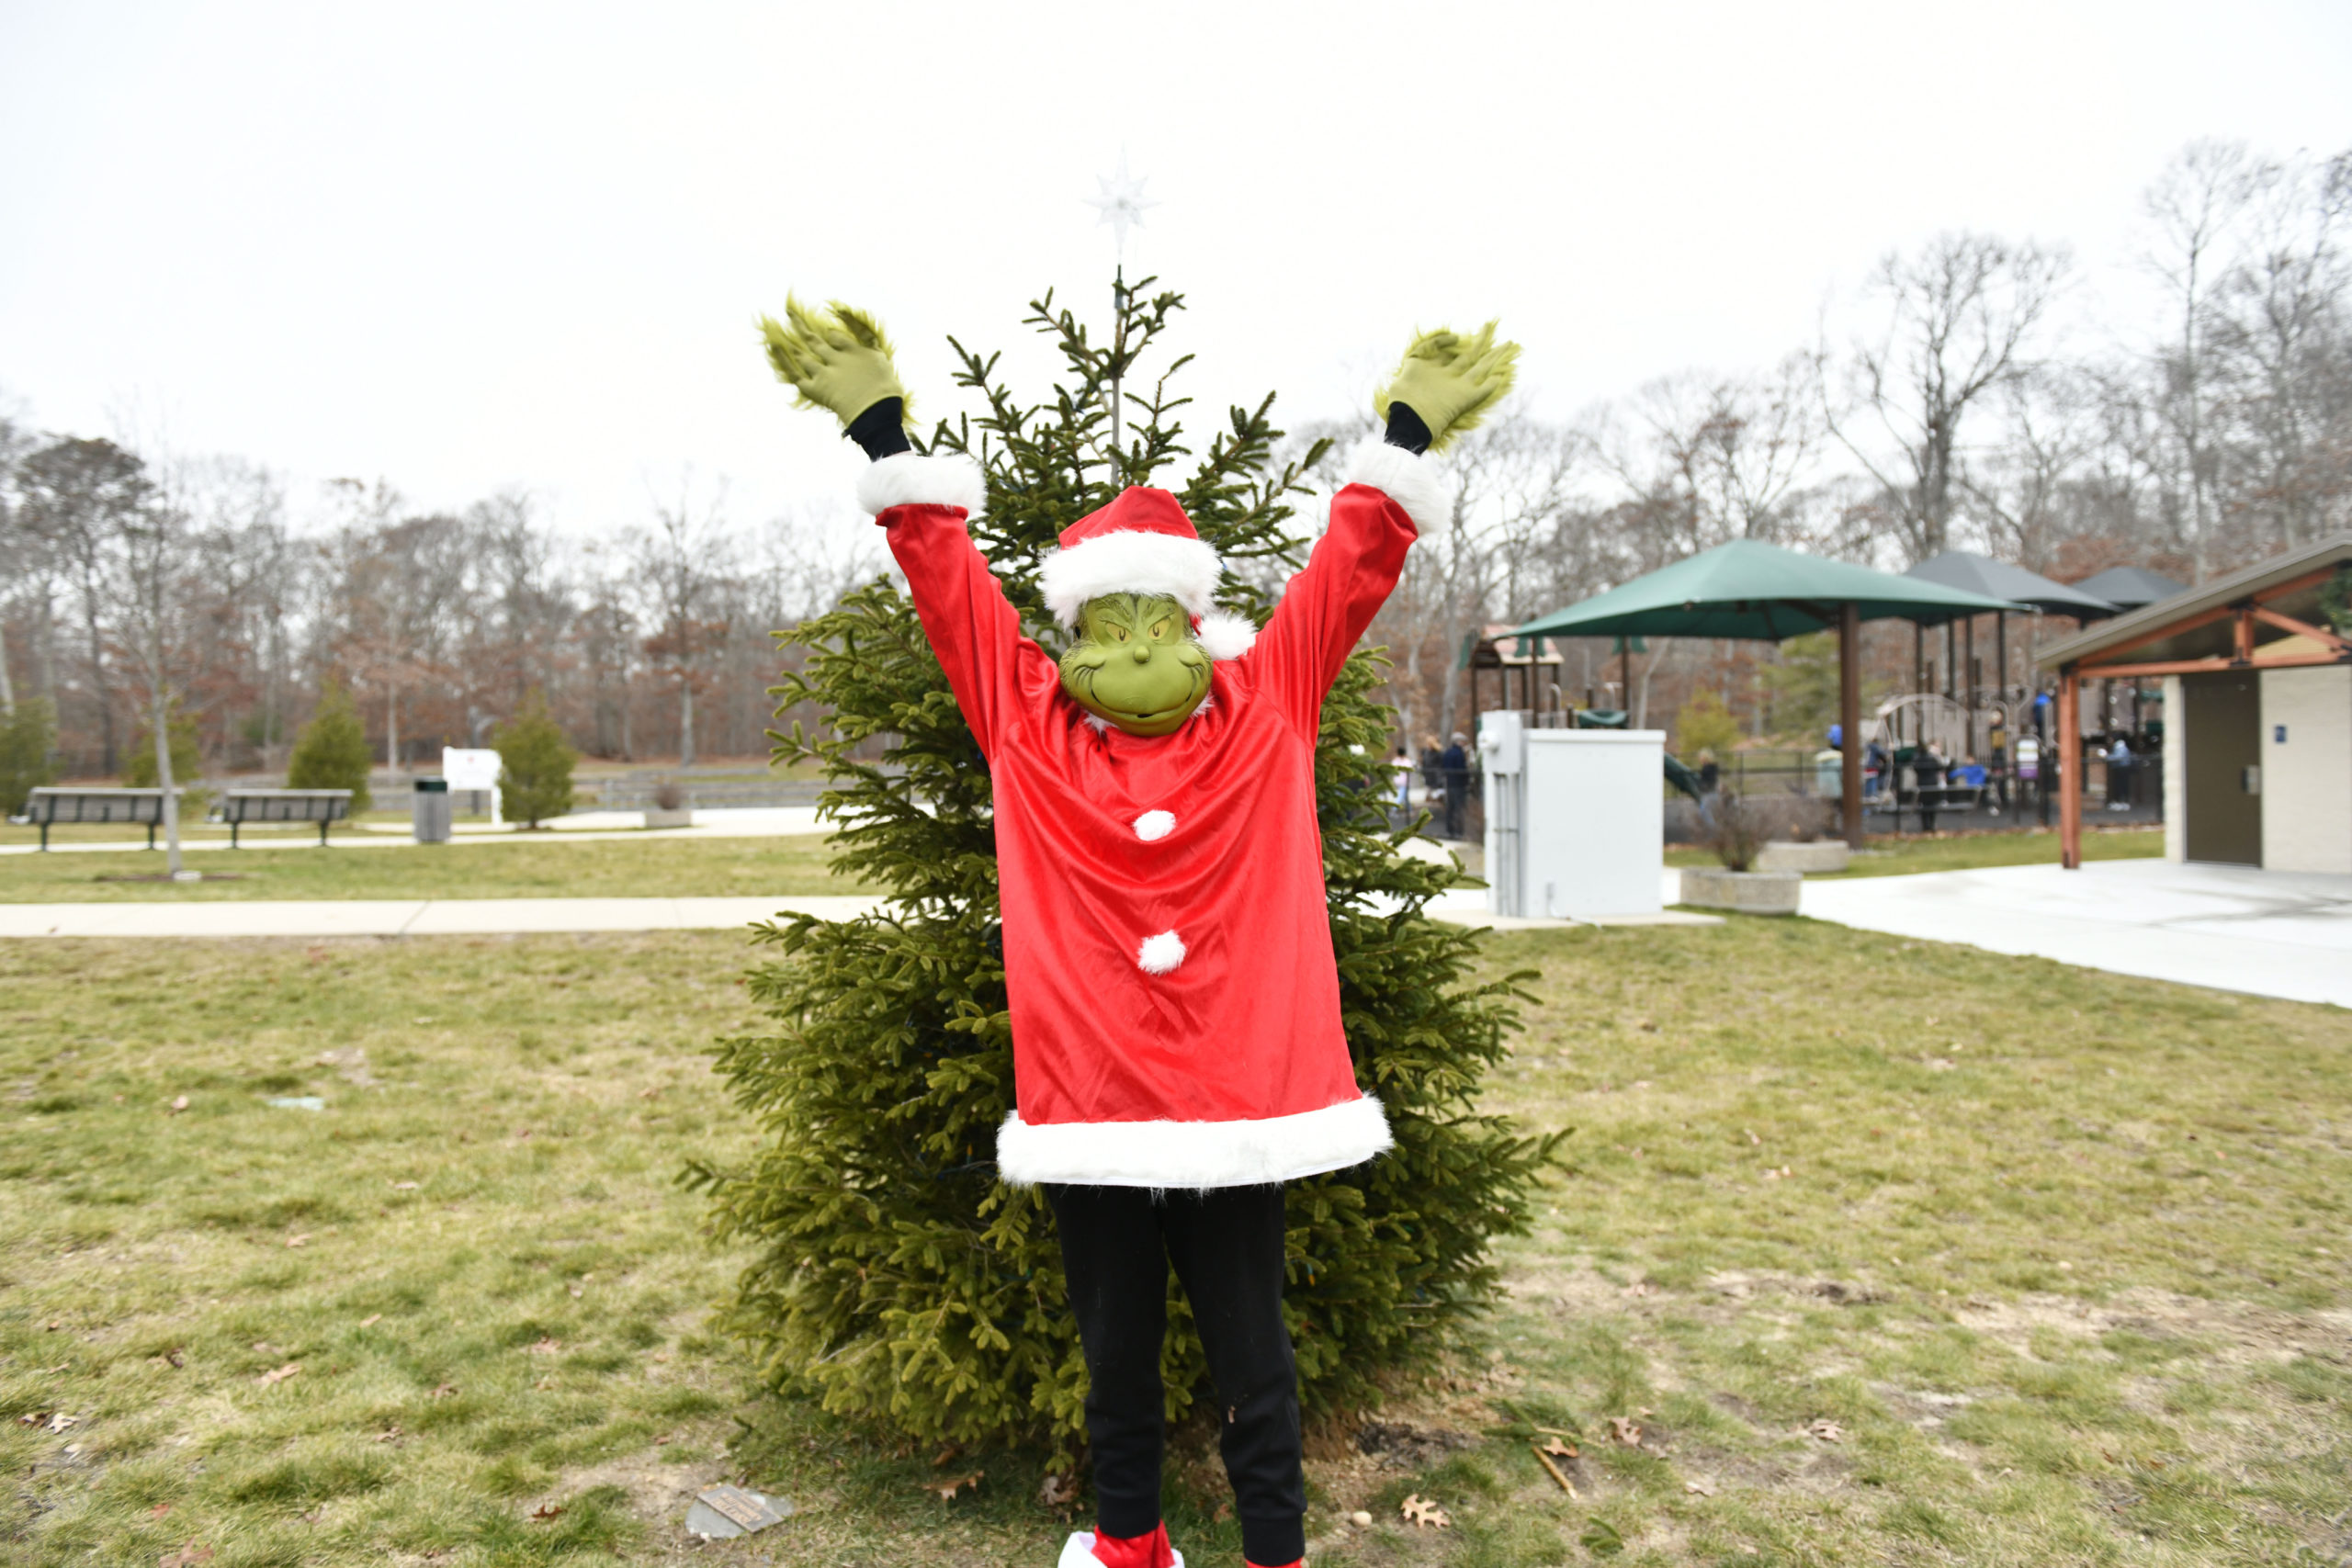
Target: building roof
x,y
2210,640
2129,587
1750,589
1999,579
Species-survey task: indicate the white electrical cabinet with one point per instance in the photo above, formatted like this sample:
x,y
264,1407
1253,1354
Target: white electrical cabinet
x,y
1575,818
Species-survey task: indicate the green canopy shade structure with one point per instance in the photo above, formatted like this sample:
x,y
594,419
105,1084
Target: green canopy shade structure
x,y
1750,590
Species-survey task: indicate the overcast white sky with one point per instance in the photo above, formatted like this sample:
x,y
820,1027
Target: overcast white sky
x,y
468,247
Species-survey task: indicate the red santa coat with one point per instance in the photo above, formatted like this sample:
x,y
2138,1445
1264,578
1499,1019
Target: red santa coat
x,y
1167,946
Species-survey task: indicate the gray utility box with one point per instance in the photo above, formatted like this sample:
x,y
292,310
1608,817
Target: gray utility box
x,y
429,817
1576,819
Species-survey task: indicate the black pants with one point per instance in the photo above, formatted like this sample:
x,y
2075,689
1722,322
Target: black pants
x,y
1117,1243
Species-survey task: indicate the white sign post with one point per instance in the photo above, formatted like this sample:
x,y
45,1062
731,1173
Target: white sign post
x,y
473,770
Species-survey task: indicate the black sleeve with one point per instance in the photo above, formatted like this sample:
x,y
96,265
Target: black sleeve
x,y
881,430
1406,430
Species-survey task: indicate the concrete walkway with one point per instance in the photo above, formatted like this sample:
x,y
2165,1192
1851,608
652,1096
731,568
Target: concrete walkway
x,y
2271,933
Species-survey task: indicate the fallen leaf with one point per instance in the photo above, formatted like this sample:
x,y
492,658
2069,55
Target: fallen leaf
x,y
1059,1491
403,1186
177,1356
947,1489
389,1435
1828,1432
61,1421
187,1556
1423,1514
445,1391
547,1347
315,1514
1622,1429
298,1240
371,1320
1698,1489
264,1347
159,1510
576,1291
1559,1449
280,1375
649,1093
547,1510
946,1454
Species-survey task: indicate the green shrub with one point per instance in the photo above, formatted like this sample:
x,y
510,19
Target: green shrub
x,y
535,763
1704,724
27,752
331,752
893,1276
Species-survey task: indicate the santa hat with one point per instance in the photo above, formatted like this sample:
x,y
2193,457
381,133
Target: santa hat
x,y
1143,543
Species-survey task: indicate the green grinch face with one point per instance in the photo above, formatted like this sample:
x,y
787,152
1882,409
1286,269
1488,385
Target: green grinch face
x,y
1134,664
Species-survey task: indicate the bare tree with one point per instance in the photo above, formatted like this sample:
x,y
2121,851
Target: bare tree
x,y
146,556
1955,321
680,561
2197,201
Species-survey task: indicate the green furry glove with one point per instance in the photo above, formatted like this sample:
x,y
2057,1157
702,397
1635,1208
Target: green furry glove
x,y
1450,380
838,359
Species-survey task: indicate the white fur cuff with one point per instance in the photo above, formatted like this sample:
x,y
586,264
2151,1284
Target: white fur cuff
x,y
1404,478
910,478
1224,635
1193,1155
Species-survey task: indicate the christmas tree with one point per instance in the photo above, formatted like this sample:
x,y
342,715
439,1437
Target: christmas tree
x,y
895,1277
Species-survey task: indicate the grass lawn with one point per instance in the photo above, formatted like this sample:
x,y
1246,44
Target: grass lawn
x,y
1873,1252
1970,851
537,866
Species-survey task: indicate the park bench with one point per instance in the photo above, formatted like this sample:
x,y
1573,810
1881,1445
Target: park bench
x,y
52,803
240,806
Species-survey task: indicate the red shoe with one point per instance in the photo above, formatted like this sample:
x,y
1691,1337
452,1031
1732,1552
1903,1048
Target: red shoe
x,y
1084,1549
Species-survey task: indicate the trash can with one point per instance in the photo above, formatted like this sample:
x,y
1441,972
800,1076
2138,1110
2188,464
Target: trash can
x,y
429,818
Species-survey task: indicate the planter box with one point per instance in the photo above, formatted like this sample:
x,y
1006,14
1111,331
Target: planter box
x,y
1744,892
656,817
1822,855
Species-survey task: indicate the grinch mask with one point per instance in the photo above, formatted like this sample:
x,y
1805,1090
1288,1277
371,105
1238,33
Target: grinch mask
x,y
1134,664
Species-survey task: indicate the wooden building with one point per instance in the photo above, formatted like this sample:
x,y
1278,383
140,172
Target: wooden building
x,y
2257,683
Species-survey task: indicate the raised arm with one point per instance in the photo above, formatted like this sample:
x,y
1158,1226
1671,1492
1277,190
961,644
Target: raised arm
x,y
841,361
1445,384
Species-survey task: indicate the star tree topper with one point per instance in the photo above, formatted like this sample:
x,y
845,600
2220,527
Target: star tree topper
x,y
1121,202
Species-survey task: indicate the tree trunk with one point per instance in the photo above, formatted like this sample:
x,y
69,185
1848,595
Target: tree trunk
x,y
392,729
163,729
99,684
7,690
685,721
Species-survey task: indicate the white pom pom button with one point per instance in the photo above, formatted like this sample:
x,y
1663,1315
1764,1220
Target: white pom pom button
x,y
1161,955
1154,825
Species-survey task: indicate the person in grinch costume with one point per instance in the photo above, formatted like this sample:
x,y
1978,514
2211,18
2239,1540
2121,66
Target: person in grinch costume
x,y
1177,1046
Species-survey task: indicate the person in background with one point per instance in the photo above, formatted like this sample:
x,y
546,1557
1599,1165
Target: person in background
x,y
1710,773
2029,760
1970,773
2118,775
1455,762
1928,767
1433,765
1402,766
1874,768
